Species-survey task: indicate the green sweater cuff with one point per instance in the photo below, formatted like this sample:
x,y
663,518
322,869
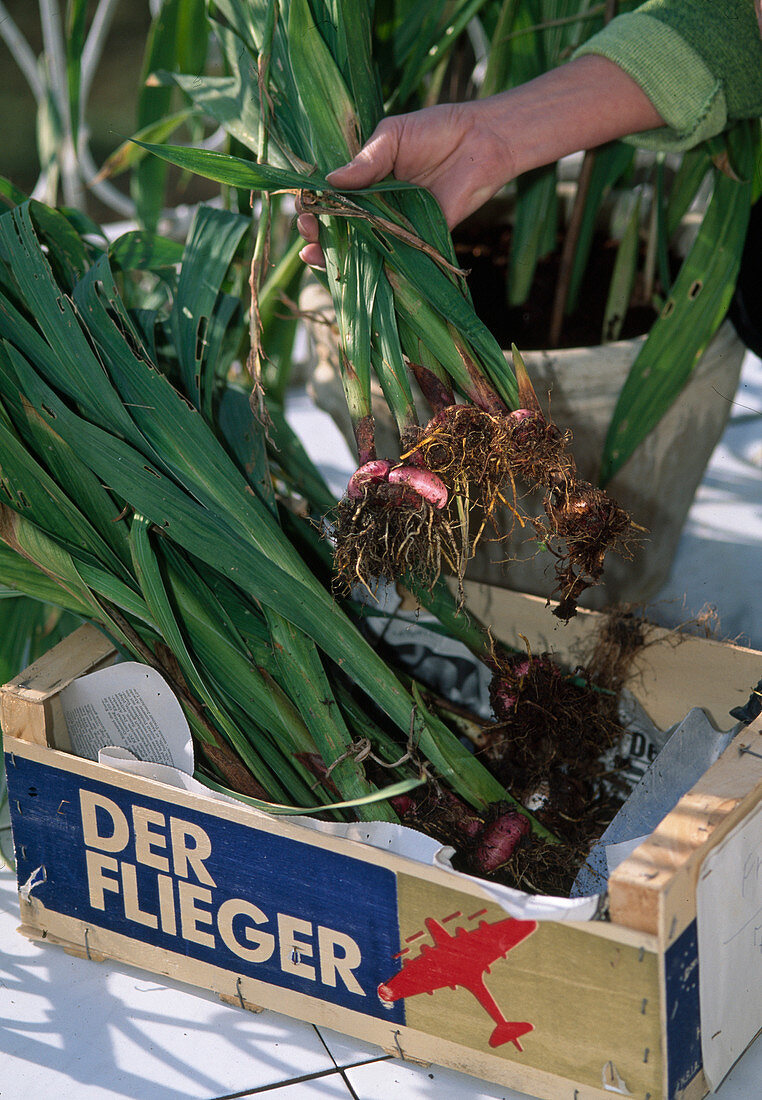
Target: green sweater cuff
x,y
675,78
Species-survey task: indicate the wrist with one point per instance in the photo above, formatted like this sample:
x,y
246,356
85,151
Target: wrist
x,y
580,105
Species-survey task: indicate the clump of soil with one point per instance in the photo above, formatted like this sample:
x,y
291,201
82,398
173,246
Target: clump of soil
x,y
553,746
547,747
435,810
539,450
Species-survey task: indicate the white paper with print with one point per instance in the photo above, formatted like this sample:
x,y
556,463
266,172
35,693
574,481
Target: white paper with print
x,y
131,706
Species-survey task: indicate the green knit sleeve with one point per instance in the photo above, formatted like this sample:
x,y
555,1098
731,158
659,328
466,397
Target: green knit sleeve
x,y
698,61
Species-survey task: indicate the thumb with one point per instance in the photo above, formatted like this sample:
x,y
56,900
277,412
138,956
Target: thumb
x,y
374,162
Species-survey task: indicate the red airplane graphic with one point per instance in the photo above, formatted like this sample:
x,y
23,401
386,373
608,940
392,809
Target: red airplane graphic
x,y
463,960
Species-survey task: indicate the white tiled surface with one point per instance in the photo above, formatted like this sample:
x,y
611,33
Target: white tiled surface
x,y
377,1082
414,1083
76,1030
73,1028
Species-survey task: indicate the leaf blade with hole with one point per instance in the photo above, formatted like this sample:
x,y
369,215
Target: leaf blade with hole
x,y
699,299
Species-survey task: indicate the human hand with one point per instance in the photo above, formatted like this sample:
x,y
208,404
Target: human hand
x,y
464,152
451,149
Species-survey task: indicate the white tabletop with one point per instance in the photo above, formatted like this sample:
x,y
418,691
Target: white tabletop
x,y
76,1030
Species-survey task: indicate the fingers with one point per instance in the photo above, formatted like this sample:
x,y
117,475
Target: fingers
x,y
374,162
307,224
312,255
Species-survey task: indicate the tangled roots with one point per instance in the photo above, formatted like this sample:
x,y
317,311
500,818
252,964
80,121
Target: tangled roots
x,y
581,522
555,746
469,449
463,442
590,524
403,520
537,449
391,532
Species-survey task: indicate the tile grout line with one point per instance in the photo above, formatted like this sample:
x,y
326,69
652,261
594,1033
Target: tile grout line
x,y
306,1077
329,1052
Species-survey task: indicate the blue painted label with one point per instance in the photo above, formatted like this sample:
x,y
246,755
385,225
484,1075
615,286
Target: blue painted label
x,y
681,969
259,905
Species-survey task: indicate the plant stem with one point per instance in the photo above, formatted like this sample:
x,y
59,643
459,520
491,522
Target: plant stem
x,y
21,52
570,246
575,224
55,52
93,48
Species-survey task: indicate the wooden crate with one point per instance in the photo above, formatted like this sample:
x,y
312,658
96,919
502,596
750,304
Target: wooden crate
x,y
270,914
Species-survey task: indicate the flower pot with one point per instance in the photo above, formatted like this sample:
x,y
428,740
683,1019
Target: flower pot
x,y
580,387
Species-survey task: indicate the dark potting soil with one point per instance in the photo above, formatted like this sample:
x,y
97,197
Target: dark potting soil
x,y
555,751
555,747
485,256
